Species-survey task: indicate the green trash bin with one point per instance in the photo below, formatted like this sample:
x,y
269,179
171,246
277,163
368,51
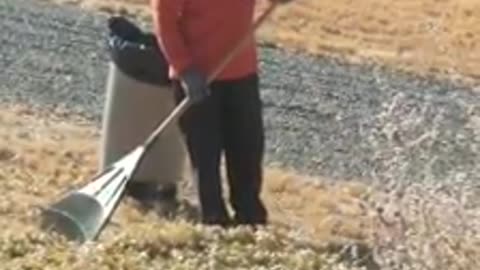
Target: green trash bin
x,y
138,98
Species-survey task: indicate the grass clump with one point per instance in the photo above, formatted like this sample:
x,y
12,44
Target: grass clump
x,y
165,245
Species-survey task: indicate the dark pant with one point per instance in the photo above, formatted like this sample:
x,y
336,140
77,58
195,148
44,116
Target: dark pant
x,y
229,121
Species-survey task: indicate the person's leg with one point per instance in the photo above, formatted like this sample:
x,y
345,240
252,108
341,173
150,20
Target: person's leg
x,y
201,127
244,149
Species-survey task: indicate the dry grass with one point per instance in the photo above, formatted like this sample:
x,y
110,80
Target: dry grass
x,y
314,224
51,156
429,227
412,227
42,156
439,36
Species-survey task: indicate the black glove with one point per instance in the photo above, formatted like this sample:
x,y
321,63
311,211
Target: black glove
x,y
195,85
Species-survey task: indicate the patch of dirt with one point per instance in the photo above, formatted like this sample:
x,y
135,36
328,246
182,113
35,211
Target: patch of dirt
x,y
434,36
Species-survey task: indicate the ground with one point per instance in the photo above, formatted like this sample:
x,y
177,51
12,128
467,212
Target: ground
x,y
25,147
45,154
439,36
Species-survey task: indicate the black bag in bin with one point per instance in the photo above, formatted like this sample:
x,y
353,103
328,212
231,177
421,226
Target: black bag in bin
x,y
136,53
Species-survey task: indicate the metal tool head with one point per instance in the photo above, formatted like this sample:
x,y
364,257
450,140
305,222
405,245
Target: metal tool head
x,y
82,214
77,217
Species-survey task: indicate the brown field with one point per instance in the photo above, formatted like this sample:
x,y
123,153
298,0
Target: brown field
x,y
440,36
44,156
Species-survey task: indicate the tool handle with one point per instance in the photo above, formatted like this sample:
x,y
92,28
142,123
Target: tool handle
x,y
181,108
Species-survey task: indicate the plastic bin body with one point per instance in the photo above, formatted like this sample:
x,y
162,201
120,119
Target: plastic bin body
x,y
135,103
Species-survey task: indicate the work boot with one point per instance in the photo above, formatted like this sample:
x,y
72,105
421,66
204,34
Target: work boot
x,y
150,197
217,217
252,214
222,221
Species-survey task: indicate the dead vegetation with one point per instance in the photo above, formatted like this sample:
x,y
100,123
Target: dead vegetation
x,y
43,156
429,36
417,227
315,225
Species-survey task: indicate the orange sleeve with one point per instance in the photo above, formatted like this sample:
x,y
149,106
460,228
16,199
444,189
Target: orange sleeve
x,y
166,14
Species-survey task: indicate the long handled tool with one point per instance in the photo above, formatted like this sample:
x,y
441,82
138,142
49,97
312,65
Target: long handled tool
x,y
82,214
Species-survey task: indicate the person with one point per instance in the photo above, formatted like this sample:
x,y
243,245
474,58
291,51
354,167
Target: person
x,y
225,116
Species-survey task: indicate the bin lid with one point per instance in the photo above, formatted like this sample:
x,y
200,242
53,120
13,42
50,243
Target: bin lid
x,y
136,52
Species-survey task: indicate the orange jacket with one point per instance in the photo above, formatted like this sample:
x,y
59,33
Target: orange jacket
x,y
202,32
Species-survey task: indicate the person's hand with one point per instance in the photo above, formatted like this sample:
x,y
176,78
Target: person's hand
x,y
195,85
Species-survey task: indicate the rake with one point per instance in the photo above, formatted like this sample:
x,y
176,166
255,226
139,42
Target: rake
x,y
83,214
